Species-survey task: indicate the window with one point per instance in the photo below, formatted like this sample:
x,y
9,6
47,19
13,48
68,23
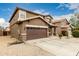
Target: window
x,y
22,15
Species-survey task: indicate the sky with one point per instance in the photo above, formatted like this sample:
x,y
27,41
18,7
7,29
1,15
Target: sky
x,y
56,10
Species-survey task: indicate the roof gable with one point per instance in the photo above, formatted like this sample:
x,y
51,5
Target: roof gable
x,y
60,20
26,11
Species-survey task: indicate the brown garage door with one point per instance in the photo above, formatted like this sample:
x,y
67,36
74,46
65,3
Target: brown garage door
x,y
35,33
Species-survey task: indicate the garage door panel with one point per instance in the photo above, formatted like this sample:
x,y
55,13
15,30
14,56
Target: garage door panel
x,y
35,33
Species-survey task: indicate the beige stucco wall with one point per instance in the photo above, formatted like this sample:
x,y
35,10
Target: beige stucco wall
x,y
28,15
14,31
38,22
57,24
58,30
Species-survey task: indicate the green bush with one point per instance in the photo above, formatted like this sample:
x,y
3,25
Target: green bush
x,y
75,33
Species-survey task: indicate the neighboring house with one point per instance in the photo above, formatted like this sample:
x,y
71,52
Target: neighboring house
x,y
62,26
28,25
4,32
1,32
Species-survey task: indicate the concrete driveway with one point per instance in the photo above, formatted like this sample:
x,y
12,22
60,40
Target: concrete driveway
x,y
58,47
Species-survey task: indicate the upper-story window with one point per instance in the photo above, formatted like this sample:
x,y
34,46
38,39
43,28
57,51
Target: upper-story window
x,y
48,19
22,15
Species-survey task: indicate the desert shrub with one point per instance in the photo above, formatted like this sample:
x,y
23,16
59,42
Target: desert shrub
x,y
75,33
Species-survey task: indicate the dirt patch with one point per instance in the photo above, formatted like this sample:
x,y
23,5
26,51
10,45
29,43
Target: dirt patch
x,y
20,49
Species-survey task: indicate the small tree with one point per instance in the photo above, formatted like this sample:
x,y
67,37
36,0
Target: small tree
x,y
75,23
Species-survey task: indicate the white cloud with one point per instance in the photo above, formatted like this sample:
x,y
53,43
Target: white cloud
x,y
68,16
41,11
2,20
73,6
70,6
62,5
3,23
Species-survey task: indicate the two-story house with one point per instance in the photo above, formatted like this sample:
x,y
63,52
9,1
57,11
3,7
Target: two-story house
x,y
28,25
